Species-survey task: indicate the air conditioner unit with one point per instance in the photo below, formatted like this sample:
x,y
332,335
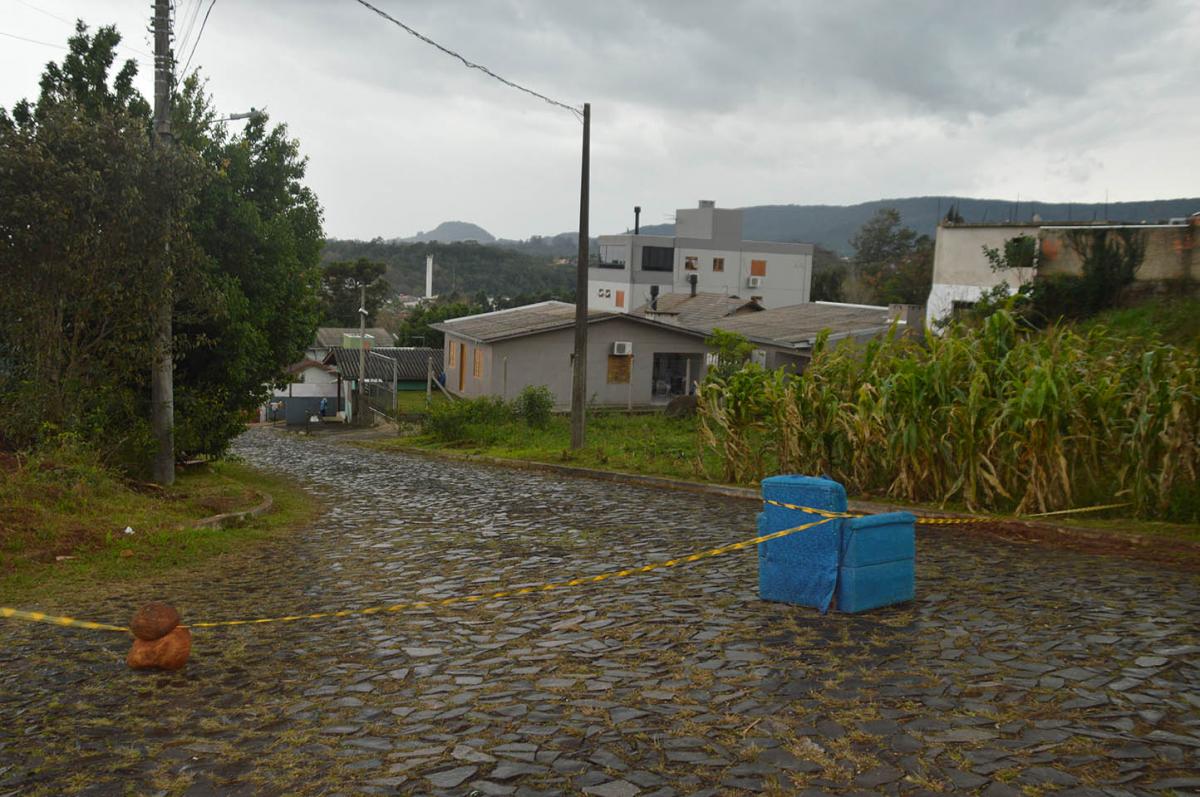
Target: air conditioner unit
x,y
622,348
754,282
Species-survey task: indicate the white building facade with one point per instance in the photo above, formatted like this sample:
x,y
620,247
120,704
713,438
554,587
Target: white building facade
x,y
706,255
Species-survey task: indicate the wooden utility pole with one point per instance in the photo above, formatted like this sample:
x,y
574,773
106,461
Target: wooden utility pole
x,y
162,378
579,385
361,406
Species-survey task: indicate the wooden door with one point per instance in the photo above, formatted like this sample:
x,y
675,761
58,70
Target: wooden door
x,y
462,366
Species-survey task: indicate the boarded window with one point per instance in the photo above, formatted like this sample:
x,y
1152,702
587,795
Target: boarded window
x,y
620,298
452,351
658,258
477,369
758,268
718,264
618,369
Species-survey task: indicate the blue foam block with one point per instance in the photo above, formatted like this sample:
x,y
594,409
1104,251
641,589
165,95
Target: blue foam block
x,y
801,568
873,586
875,539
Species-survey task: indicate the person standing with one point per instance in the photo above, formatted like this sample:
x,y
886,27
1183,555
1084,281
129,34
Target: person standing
x,y
324,407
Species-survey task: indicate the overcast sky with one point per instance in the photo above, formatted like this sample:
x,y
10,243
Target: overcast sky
x,y
745,103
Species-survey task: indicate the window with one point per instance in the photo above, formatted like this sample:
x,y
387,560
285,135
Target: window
x,y
452,351
620,298
691,263
477,369
658,258
718,264
758,268
960,308
618,369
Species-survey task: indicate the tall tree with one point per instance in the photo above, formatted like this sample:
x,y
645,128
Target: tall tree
x,y
893,261
341,286
86,206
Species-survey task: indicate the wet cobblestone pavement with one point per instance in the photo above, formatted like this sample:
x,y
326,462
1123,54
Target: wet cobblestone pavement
x,y
1019,669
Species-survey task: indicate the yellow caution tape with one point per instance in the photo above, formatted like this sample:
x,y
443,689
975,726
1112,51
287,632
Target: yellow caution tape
x,y
399,607
69,622
924,520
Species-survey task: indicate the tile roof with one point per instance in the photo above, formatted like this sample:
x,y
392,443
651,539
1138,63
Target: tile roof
x,y
411,362
329,337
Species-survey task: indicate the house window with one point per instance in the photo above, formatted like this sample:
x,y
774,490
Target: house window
x,y
758,268
451,351
620,298
718,264
618,369
691,263
960,308
658,258
477,367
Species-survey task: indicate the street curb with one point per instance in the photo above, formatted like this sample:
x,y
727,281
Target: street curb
x,y
227,519
1048,530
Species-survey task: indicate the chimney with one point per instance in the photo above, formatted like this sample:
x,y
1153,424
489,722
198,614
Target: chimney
x,y
637,219
707,203
654,298
428,276
692,280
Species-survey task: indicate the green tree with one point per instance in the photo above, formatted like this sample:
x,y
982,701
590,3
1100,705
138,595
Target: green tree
x,y
416,329
828,276
341,283
894,262
88,210
733,351
88,207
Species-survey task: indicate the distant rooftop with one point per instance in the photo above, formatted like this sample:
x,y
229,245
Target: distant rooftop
x,y
515,322
411,363
328,337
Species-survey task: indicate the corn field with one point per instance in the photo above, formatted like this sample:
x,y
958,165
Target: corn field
x,y
995,417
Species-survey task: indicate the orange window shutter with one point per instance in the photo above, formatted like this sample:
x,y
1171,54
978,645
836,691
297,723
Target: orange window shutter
x,y
758,268
620,298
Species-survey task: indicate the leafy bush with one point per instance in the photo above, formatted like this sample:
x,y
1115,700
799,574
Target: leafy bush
x,y
477,420
534,405
997,417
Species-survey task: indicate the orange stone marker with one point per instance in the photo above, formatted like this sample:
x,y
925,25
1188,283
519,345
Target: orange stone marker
x,y
159,642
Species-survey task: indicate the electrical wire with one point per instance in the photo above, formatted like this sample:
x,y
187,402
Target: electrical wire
x,y
72,24
196,43
466,63
187,22
49,44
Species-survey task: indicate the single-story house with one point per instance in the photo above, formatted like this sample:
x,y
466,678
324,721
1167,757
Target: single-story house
x,y
309,382
642,358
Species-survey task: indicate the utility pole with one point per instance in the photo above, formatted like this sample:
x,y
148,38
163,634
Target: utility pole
x,y
162,378
579,385
362,356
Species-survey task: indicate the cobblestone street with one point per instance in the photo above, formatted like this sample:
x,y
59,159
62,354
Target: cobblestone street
x,y
1019,669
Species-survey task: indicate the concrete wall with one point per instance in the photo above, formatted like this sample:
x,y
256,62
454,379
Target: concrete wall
x,y
545,359
1170,252
316,382
961,272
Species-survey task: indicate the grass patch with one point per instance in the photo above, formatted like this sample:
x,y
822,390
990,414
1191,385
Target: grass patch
x,y
64,504
1175,321
649,444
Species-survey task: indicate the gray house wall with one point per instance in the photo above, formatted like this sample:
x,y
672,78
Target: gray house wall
x,y
545,359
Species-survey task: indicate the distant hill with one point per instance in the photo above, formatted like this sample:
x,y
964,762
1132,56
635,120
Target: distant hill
x,y
832,226
449,232
464,268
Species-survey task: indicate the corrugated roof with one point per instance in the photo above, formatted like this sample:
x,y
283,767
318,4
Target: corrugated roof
x,y
516,322
329,337
800,323
411,362
696,311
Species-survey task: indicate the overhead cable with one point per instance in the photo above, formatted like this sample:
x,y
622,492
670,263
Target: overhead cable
x,y
467,63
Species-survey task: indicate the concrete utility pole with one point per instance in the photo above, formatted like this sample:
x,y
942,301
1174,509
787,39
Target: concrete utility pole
x,y
162,378
579,385
361,407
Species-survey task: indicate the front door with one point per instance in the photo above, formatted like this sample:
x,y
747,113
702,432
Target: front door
x,y
462,366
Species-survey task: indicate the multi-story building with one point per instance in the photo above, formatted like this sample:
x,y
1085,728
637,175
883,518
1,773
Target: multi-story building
x,y
707,255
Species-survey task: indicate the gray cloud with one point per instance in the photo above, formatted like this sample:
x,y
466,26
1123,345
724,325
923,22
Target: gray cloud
x,y
747,103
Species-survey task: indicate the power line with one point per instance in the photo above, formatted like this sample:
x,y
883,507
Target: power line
x,y
196,43
189,14
469,64
72,24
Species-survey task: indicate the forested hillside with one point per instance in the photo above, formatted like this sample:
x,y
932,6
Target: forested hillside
x,y
459,268
832,226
